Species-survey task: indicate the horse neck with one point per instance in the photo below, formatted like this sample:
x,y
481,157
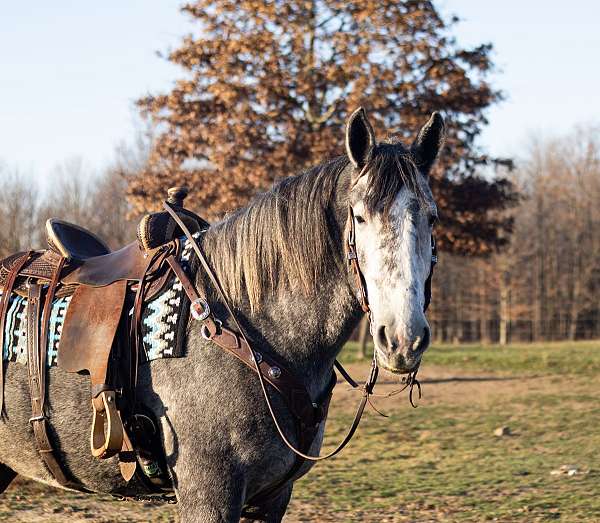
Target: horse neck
x,y
305,333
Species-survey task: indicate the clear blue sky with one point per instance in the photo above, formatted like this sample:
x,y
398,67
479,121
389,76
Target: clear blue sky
x,y
70,71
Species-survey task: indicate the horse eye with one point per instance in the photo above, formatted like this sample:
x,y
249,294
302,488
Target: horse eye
x,y
359,219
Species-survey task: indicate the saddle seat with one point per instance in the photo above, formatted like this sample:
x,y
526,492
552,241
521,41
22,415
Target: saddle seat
x,y
73,242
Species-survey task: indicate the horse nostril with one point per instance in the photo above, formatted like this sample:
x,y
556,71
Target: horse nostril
x,y
384,339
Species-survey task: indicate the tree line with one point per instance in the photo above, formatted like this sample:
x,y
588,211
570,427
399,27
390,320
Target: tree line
x,y
264,92
94,200
544,284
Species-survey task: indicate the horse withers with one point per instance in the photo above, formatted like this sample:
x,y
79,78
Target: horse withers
x,y
282,264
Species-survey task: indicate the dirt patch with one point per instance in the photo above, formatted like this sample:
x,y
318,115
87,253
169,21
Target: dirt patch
x,y
29,502
441,385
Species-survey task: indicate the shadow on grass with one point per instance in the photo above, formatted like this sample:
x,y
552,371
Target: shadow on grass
x,y
475,379
458,379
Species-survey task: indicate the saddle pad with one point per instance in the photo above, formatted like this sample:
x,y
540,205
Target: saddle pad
x,y
15,329
165,318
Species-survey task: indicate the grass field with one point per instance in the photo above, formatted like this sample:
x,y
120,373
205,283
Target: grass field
x,y
578,358
440,462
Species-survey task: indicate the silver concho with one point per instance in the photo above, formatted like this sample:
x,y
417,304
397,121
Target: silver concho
x,y
200,309
274,372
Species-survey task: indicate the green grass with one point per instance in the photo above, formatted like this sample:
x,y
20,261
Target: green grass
x,y
581,357
443,463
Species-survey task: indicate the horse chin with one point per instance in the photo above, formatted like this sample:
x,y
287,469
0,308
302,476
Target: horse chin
x,y
398,364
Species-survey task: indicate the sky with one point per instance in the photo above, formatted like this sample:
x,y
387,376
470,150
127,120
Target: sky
x,y
71,71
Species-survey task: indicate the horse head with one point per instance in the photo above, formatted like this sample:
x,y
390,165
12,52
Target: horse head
x,y
392,213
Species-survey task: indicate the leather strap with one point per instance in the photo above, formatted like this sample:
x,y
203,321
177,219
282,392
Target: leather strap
x,y
154,262
434,259
5,301
44,327
306,437
38,417
367,390
293,392
345,374
353,261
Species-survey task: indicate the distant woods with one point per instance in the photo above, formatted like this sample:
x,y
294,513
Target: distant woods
x,y
546,284
76,194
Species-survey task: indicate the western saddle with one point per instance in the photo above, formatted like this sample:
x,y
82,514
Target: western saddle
x,y
101,336
101,333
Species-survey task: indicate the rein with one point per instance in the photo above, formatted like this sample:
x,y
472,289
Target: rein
x,y
212,329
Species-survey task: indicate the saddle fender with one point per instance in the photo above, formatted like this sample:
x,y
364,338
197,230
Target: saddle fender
x,y
89,332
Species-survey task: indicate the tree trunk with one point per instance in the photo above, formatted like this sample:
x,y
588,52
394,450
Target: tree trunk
x,y
504,307
539,305
484,320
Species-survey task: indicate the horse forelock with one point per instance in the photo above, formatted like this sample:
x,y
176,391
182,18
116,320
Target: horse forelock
x,y
390,169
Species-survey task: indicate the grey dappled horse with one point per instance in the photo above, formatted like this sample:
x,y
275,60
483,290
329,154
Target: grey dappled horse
x,y
281,260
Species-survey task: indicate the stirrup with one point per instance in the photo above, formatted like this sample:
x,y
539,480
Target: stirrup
x,y
105,443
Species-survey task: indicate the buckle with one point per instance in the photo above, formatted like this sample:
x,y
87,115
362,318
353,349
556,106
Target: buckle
x,y
200,309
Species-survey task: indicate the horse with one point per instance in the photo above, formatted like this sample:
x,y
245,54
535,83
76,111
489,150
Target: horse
x,y
282,264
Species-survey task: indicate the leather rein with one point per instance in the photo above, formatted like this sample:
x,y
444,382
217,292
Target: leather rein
x,y
267,369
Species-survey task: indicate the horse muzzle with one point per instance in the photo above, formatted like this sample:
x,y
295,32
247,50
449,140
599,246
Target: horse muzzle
x,y
400,353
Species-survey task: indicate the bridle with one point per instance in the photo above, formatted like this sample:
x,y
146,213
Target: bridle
x,y
363,297
204,315
352,256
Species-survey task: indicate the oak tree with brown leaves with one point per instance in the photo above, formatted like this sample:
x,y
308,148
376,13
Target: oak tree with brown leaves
x,y
267,87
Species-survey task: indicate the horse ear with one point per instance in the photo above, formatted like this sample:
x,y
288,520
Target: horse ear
x,y
360,138
429,142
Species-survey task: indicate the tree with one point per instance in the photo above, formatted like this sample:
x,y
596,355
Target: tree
x,y
94,200
545,284
19,204
268,85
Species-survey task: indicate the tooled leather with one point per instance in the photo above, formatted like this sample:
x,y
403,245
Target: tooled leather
x,y
37,385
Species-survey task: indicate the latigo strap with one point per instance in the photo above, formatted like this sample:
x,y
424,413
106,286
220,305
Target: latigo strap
x,y
37,385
